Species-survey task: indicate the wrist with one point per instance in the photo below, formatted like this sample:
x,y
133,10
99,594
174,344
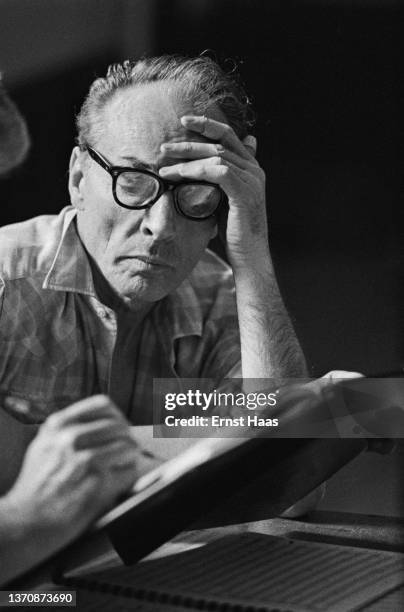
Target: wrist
x,y
254,261
12,524
25,533
254,269
21,522
23,542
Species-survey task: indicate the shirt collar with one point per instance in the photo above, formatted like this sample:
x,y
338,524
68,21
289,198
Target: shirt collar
x,y
70,270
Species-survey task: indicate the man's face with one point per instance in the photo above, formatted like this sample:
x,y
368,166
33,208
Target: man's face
x,y
14,139
138,121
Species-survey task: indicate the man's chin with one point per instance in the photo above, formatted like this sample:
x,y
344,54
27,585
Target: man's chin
x,y
141,290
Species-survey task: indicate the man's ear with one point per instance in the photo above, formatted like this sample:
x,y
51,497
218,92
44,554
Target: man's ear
x,y
76,176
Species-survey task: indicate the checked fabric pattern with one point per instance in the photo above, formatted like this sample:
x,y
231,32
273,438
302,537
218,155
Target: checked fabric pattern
x,y
58,341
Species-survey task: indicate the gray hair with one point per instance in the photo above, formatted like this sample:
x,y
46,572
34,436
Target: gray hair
x,y
201,80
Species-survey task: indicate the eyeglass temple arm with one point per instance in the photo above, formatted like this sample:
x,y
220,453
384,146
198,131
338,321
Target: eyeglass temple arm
x,y
98,158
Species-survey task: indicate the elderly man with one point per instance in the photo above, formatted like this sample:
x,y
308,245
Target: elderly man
x,y
119,288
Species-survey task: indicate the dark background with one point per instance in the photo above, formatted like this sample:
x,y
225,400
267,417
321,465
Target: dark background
x,y
324,79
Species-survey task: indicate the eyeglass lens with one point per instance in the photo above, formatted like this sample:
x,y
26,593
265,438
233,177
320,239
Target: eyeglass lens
x,y
198,200
136,189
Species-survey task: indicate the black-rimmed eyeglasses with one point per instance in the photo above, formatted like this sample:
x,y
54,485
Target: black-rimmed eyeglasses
x,y
138,189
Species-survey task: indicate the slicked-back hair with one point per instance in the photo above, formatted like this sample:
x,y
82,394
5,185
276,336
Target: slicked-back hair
x,y
200,81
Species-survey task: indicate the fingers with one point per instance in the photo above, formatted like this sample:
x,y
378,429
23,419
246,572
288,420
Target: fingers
x,y
86,410
338,374
115,466
204,150
192,150
331,378
91,424
98,433
211,170
215,130
116,454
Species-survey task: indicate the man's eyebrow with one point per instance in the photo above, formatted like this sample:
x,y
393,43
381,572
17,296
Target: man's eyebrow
x,y
135,162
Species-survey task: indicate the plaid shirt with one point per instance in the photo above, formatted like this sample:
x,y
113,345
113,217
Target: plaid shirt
x,y
59,343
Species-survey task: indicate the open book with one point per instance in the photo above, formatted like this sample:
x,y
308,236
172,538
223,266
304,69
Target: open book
x,y
280,470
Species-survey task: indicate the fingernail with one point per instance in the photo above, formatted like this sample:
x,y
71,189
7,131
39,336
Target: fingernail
x,y
188,119
250,141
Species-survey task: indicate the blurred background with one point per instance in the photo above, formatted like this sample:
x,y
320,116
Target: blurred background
x,y
324,79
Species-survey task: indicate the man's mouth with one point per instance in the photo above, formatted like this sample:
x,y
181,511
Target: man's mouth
x,y
152,261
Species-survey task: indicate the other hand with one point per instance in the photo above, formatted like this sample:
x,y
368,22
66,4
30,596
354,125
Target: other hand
x,y
82,459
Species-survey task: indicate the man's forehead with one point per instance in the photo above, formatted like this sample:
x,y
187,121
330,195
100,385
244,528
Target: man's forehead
x,y
139,119
145,105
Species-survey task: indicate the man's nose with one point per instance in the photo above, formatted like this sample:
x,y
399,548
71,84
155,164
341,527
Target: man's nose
x,y
160,219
